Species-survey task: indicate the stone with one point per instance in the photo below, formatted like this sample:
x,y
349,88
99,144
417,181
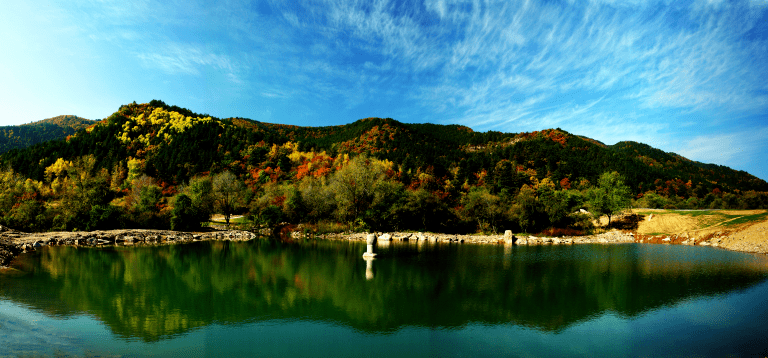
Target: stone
x,y
385,237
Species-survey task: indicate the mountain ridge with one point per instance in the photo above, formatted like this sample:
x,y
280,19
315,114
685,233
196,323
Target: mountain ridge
x,y
28,134
441,150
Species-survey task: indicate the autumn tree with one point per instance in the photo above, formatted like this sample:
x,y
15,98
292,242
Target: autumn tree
x,y
81,188
354,186
21,202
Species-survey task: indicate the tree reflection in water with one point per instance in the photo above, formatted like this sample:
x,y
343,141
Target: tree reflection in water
x,y
153,293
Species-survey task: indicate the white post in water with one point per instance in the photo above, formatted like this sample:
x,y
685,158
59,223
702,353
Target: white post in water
x,y
370,239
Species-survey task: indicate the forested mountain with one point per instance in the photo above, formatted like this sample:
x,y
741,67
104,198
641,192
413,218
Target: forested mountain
x,y
176,144
25,135
445,163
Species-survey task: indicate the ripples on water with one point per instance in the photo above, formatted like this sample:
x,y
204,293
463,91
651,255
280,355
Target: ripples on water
x,y
322,298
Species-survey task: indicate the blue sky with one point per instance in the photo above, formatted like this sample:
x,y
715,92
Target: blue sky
x,y
684,77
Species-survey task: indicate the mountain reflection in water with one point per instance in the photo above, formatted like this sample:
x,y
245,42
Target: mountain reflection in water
x,y
154,293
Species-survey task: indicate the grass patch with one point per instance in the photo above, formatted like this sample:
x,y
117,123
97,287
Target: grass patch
x,y
330,227
240,220
711,218
747,218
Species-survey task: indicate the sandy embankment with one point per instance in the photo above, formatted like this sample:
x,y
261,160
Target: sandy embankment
x,y
705,230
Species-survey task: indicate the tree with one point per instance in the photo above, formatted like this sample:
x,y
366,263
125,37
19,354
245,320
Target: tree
x,y
354,186
228,193
526,209
610,196
200,192
183,214
387,209
482,206
318,198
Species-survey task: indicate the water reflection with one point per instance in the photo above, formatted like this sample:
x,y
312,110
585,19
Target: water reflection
x,y
153,293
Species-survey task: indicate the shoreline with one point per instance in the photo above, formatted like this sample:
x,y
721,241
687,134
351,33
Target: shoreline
x,y
13,243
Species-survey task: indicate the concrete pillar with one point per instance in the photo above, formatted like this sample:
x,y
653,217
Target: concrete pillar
x,y
509,238
370,239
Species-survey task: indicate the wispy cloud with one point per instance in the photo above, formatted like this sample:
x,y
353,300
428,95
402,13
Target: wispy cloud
x,y
188,59
610,69
740,149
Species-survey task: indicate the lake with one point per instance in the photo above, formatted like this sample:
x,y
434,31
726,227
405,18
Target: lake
x,y
320,298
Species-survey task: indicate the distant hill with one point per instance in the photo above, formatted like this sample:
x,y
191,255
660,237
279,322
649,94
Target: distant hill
x,y
175,144
25,135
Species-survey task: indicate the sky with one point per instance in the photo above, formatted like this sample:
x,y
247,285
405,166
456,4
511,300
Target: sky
x,y
689,77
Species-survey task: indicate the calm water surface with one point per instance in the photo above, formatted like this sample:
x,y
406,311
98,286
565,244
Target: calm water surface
x,y
275,299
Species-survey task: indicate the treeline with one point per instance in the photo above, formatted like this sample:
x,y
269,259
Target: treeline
x,y
328,194
359,193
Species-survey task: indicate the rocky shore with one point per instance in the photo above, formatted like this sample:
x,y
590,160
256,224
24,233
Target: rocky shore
x,y
735,241
13,242
612,237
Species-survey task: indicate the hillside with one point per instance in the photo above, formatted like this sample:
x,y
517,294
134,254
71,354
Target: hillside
x,y
437,169
169,139
25,135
